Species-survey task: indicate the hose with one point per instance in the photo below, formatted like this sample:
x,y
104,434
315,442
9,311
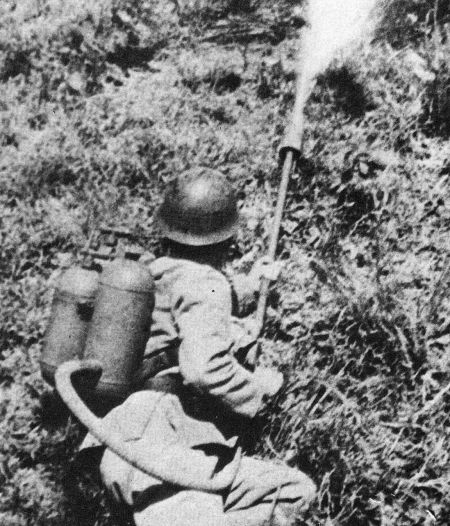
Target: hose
x,y
172,464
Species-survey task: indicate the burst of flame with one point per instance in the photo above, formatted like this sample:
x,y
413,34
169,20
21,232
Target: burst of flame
x,y
333,25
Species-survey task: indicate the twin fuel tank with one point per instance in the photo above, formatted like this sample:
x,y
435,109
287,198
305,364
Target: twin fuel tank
x,y
72,308
102,316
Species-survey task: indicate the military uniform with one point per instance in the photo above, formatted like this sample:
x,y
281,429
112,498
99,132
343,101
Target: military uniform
x,y
200,399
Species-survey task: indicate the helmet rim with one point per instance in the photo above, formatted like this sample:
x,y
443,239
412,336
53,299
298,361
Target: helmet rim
x,y
196,240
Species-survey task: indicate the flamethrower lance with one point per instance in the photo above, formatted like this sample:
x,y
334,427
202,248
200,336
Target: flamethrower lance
x,y
290,149
331,27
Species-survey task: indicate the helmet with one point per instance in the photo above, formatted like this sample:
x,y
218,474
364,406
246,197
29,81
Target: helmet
x,y
199,208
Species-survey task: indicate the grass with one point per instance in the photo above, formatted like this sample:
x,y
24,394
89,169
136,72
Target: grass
x,y
101,102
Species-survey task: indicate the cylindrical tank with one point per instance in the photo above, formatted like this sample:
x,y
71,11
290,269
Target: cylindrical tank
x,y
72,308
120,325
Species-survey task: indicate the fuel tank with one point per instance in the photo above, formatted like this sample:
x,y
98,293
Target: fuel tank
x,y
72,308
120,325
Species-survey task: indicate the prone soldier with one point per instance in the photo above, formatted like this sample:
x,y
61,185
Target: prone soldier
x,y
194,392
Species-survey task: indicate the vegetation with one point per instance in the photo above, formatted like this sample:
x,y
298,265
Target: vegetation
x,y
102,101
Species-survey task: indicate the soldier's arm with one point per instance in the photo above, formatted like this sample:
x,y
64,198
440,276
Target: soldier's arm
x,y
202,313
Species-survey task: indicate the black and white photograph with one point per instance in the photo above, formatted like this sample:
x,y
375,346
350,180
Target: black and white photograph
x,y
224,263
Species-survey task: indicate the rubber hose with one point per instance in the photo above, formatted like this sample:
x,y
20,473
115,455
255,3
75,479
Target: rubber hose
x,y
169,463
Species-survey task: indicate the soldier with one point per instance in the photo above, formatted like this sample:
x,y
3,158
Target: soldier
x,y
195,392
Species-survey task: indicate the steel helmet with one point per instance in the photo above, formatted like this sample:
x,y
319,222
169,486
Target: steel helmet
x,y
199,208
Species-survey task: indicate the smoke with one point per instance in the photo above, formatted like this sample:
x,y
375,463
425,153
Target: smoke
x,y
333,25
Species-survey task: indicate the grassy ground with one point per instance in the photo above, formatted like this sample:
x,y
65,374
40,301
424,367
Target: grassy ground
x,y
101,102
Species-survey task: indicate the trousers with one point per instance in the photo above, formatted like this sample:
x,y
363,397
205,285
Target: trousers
x,y
292,493
287,493
262,493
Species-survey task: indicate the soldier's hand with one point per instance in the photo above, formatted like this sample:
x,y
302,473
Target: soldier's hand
x,y
266,268
270,380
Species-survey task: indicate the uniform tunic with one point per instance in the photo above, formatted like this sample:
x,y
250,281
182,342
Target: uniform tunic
x,y
193,338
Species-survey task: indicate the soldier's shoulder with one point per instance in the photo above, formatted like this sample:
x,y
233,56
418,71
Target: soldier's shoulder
x,y
177,273
196,276
201,273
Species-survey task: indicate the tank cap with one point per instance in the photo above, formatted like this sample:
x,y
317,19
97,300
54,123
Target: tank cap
x,y
126,274
80,281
